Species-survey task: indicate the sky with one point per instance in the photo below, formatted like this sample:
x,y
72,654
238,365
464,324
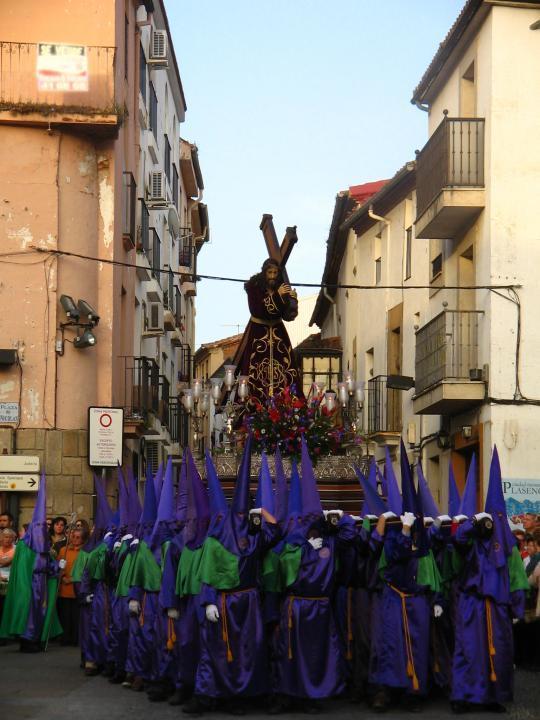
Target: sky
x,y
289,102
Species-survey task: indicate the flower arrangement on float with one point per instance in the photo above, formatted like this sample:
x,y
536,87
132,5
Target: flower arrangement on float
x,y
285,418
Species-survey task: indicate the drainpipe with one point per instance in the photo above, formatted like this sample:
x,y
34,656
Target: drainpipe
x,y
420,106
334,310
377,217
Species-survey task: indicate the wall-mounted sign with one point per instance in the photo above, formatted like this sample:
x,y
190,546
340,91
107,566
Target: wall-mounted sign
x,y
521,496
9,412
18,482
105,436
19,464
62,68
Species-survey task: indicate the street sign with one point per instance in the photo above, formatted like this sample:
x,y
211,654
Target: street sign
x,y
105,436
9,412
62,68
19,464
18,482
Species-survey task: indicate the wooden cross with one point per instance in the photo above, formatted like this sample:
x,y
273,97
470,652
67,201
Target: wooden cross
x,y
279,253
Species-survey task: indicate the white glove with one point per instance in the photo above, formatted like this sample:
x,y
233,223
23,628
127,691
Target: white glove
x,y
316,543
339,513
369,516
460,518
437,611
134,543
88,599
515,621
126,537
408,519
255,510
389,514
134,607
61,564
444,518
117,544
173,613
107,535
482,515
212,613
357,518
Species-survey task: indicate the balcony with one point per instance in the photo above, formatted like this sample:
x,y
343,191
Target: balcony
x,y
169,319
448,379
164,400
384,411
68,86
141,395
450,179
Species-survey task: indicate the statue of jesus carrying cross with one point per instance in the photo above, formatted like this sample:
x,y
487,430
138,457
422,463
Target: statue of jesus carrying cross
x,y
265,353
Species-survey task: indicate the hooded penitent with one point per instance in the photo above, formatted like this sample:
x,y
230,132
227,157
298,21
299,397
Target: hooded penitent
x,y
394,501
29,608
373,502
281,493
453,493
467,505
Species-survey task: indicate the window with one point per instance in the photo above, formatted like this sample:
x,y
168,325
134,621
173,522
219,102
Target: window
x,y
322,369
156,255
128,206
175,186
408,253
144,244
378,271
142,73
167,158
153,117
144,316
436,266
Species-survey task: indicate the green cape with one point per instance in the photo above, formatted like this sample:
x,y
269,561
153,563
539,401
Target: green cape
x,y
141,570
19,597
218,567
187,577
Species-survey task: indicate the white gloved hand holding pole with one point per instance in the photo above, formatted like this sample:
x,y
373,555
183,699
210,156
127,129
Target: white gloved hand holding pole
x,y
134,607
407,519
173,613
437,611
212,613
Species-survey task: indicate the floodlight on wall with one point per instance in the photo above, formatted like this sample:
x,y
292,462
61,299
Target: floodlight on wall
x,y
87,339
86,309
66,301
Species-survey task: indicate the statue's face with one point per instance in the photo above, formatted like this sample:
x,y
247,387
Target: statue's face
x,y
271,276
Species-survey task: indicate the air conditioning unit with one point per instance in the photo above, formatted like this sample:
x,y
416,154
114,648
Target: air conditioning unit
x,y
155,317
158,48
156,187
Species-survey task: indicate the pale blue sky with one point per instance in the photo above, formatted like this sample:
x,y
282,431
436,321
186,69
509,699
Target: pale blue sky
x,y
290,101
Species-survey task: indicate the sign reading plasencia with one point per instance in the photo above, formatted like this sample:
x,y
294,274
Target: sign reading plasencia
x,y
62,68
105,436
9,412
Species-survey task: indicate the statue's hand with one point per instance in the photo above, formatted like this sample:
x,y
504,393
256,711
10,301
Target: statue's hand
x,y
284,290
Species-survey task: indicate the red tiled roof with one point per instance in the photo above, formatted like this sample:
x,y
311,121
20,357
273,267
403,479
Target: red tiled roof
x,y
362,193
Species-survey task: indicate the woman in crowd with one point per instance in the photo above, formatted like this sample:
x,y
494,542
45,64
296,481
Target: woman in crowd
x,y
67,604
7,551
57,534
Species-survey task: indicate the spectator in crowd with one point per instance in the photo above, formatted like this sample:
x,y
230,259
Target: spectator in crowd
x,y
7,551
57,534
67,604
533,551
520,537
530,522
83,525
6,520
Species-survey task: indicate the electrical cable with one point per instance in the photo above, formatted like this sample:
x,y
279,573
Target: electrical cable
x,y
331,286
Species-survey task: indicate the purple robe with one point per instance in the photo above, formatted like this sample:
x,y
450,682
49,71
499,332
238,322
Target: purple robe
x,y
142,649
308,657
265,353
401,615
233,654
485,607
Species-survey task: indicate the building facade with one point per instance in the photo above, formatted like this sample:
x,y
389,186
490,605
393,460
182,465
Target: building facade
x,y
86,93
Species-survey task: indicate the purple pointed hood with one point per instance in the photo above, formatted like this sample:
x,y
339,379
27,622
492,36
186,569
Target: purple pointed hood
x,y
502,541
311,501
123,501
428,503
198,506
134,504
233,530
381,480
37,536
158,481
468,499
104,516
149,510
294,508
373,502
182,491
453,493
394,501
408,491
164,526
281,494
218,502
265,486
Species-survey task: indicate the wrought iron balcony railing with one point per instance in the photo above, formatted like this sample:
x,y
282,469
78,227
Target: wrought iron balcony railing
x,y
384,406
452,157
141,387
447,349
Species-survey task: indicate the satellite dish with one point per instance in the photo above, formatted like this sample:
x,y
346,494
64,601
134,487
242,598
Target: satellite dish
x,y
173,221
